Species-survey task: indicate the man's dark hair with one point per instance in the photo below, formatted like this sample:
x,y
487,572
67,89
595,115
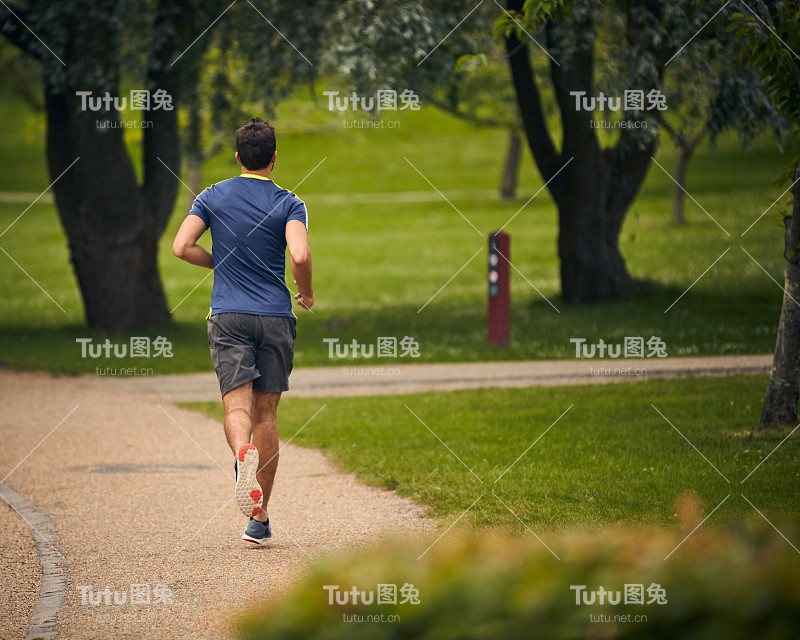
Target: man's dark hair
x,y
255,142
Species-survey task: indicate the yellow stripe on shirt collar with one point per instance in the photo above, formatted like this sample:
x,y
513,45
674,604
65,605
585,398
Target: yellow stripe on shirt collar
x,y
253,175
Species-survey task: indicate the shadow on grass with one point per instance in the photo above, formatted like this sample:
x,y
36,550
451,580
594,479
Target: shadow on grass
x,y
700,323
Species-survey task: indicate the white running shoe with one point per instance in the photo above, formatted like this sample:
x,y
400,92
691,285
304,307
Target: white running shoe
x,y
248,492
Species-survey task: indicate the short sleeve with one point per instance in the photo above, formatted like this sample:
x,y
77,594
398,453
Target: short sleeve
x,y
200,209
298,211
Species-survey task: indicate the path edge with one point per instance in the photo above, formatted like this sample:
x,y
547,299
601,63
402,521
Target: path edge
x,y
54,584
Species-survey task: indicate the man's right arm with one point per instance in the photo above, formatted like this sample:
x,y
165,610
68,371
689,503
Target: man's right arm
x,y
300,262
185,246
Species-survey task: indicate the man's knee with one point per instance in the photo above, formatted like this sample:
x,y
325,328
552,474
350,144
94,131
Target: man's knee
x,y
239,398
238,412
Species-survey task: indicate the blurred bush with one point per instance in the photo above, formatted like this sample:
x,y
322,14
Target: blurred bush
x,y
721,583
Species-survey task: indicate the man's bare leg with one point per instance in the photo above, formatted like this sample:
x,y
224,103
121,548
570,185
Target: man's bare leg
x,y
265,438
238,404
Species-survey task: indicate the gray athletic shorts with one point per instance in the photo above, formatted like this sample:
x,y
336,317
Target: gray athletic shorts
x,y
246,347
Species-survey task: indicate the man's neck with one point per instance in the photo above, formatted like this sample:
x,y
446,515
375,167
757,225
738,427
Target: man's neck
x,y
264,173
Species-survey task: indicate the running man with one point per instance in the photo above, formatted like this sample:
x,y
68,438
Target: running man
x,y
251,327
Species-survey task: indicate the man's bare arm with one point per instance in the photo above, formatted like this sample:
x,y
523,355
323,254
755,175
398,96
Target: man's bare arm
x,y
300,262
185,246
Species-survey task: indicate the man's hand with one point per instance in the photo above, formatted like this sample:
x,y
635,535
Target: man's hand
x,y
304,300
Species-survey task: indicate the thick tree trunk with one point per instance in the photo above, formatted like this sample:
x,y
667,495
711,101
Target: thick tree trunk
x,y
783,389
510,178
112,223
113,249
592,266
591,270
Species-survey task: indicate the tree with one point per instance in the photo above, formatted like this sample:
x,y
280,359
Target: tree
x,y
112,222
594,185
727,95
773,51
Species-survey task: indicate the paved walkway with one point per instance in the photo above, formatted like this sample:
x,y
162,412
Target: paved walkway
x,y
364,379
139,492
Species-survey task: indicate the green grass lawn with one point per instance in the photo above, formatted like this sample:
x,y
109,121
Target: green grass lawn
x,y
610,459
376,265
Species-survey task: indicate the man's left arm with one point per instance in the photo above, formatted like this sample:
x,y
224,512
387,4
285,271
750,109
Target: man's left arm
x,y
185,246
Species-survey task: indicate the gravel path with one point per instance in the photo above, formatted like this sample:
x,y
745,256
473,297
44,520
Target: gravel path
x,y
365,378
20,575
140,494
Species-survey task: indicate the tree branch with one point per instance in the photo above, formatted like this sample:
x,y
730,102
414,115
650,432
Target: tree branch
x,y
672,132
630,158
13,28
161,142
575,75
530,106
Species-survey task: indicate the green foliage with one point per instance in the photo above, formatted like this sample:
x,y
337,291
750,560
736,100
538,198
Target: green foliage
x,y
480,91
402,45
707,88
470,63
771,43
533,15
124,40
679,47
541,10
737,584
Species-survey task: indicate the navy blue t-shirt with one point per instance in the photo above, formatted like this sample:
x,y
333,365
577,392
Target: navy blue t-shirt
x,y
247,216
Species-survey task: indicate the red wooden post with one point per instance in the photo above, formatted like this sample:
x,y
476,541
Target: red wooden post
x,y
499,289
